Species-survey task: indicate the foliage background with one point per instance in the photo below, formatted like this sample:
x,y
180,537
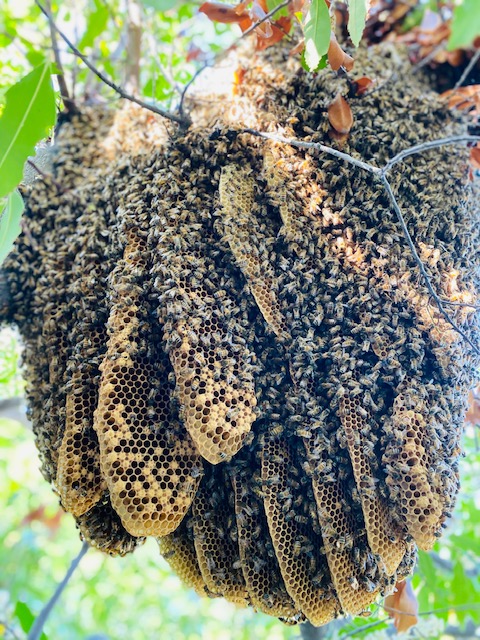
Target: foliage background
x,y
137,597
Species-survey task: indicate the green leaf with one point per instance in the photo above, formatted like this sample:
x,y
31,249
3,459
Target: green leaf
x,y
465,24
357,13
317,34
28,115
26,618
321,65
10,223
160,5
96,24
271,4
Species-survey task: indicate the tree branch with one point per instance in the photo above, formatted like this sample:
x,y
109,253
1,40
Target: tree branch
x,y
317,146
473,61
425,146
223,53
182,121
381,174
36,631
67,101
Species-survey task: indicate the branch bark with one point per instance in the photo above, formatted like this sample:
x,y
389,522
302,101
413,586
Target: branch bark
x,y
183,121
36,630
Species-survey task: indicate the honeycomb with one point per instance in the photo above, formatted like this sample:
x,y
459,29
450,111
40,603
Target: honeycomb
x,y
229,348
179,551
237,200
297,545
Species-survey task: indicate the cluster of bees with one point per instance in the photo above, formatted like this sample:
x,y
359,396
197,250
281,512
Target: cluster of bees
x,y
229,347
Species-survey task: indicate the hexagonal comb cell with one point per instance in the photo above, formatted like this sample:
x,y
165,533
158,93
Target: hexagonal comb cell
x,y
216,539
259,563
148,471
178,550
298,548
384,538
227,346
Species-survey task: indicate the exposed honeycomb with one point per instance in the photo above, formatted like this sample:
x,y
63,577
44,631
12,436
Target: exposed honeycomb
x,y
237,199
228,345
179,551
383,537
297,546
259,563
216,539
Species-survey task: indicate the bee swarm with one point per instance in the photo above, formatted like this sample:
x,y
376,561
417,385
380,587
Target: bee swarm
x,y
228,345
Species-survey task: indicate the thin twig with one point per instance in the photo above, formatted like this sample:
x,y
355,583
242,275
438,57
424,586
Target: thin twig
x,y
182,121
428,58
421,266
134,46
36,630
223,53
381,174
317,146
425,146
67,101
468,68
267,16
365,627
45,176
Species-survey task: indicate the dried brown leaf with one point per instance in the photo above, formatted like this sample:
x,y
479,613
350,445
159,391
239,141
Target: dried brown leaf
x,y
226,13
362,85
340,115
402,606
337,56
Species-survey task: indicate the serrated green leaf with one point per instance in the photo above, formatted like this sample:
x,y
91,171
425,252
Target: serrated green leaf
x,y
26,618
321,65
317,33
96,23
28,115
465,24
357,13
10,223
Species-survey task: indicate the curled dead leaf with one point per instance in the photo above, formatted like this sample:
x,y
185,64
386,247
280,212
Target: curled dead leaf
x,y
279,29
464,98
362,85
238,76
340,115
402,606
298,48
227,14
337,56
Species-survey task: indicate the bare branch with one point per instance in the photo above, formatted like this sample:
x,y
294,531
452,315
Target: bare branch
x,y
381,174
182,121
67,101
425,146
317,146
223,53
36,630
266,17
421,266
468,68
134,46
